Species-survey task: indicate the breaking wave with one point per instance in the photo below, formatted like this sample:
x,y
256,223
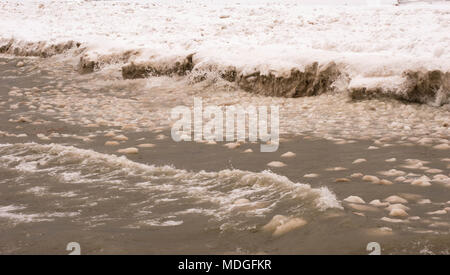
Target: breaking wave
x,y
160,195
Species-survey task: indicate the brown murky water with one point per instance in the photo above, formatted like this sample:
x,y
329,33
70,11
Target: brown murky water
x,y
60,183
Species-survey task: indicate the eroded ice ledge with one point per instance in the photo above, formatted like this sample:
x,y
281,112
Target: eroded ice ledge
x,y
419,84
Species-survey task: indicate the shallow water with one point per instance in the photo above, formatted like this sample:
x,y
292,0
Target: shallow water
x,y
61,184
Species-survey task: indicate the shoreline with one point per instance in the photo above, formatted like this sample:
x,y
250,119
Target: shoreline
x,y
422,85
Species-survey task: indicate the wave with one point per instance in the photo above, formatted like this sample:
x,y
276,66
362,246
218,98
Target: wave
x,y
224,195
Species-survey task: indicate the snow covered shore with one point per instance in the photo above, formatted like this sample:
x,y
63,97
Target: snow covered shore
x,y
372,49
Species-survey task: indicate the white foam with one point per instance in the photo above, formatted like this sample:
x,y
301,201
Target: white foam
x,y
10,212
162,223
217,192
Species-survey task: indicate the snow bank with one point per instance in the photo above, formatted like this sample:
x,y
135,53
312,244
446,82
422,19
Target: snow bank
x,y
367,41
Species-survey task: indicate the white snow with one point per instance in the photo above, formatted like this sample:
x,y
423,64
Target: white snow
x,y
374,41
